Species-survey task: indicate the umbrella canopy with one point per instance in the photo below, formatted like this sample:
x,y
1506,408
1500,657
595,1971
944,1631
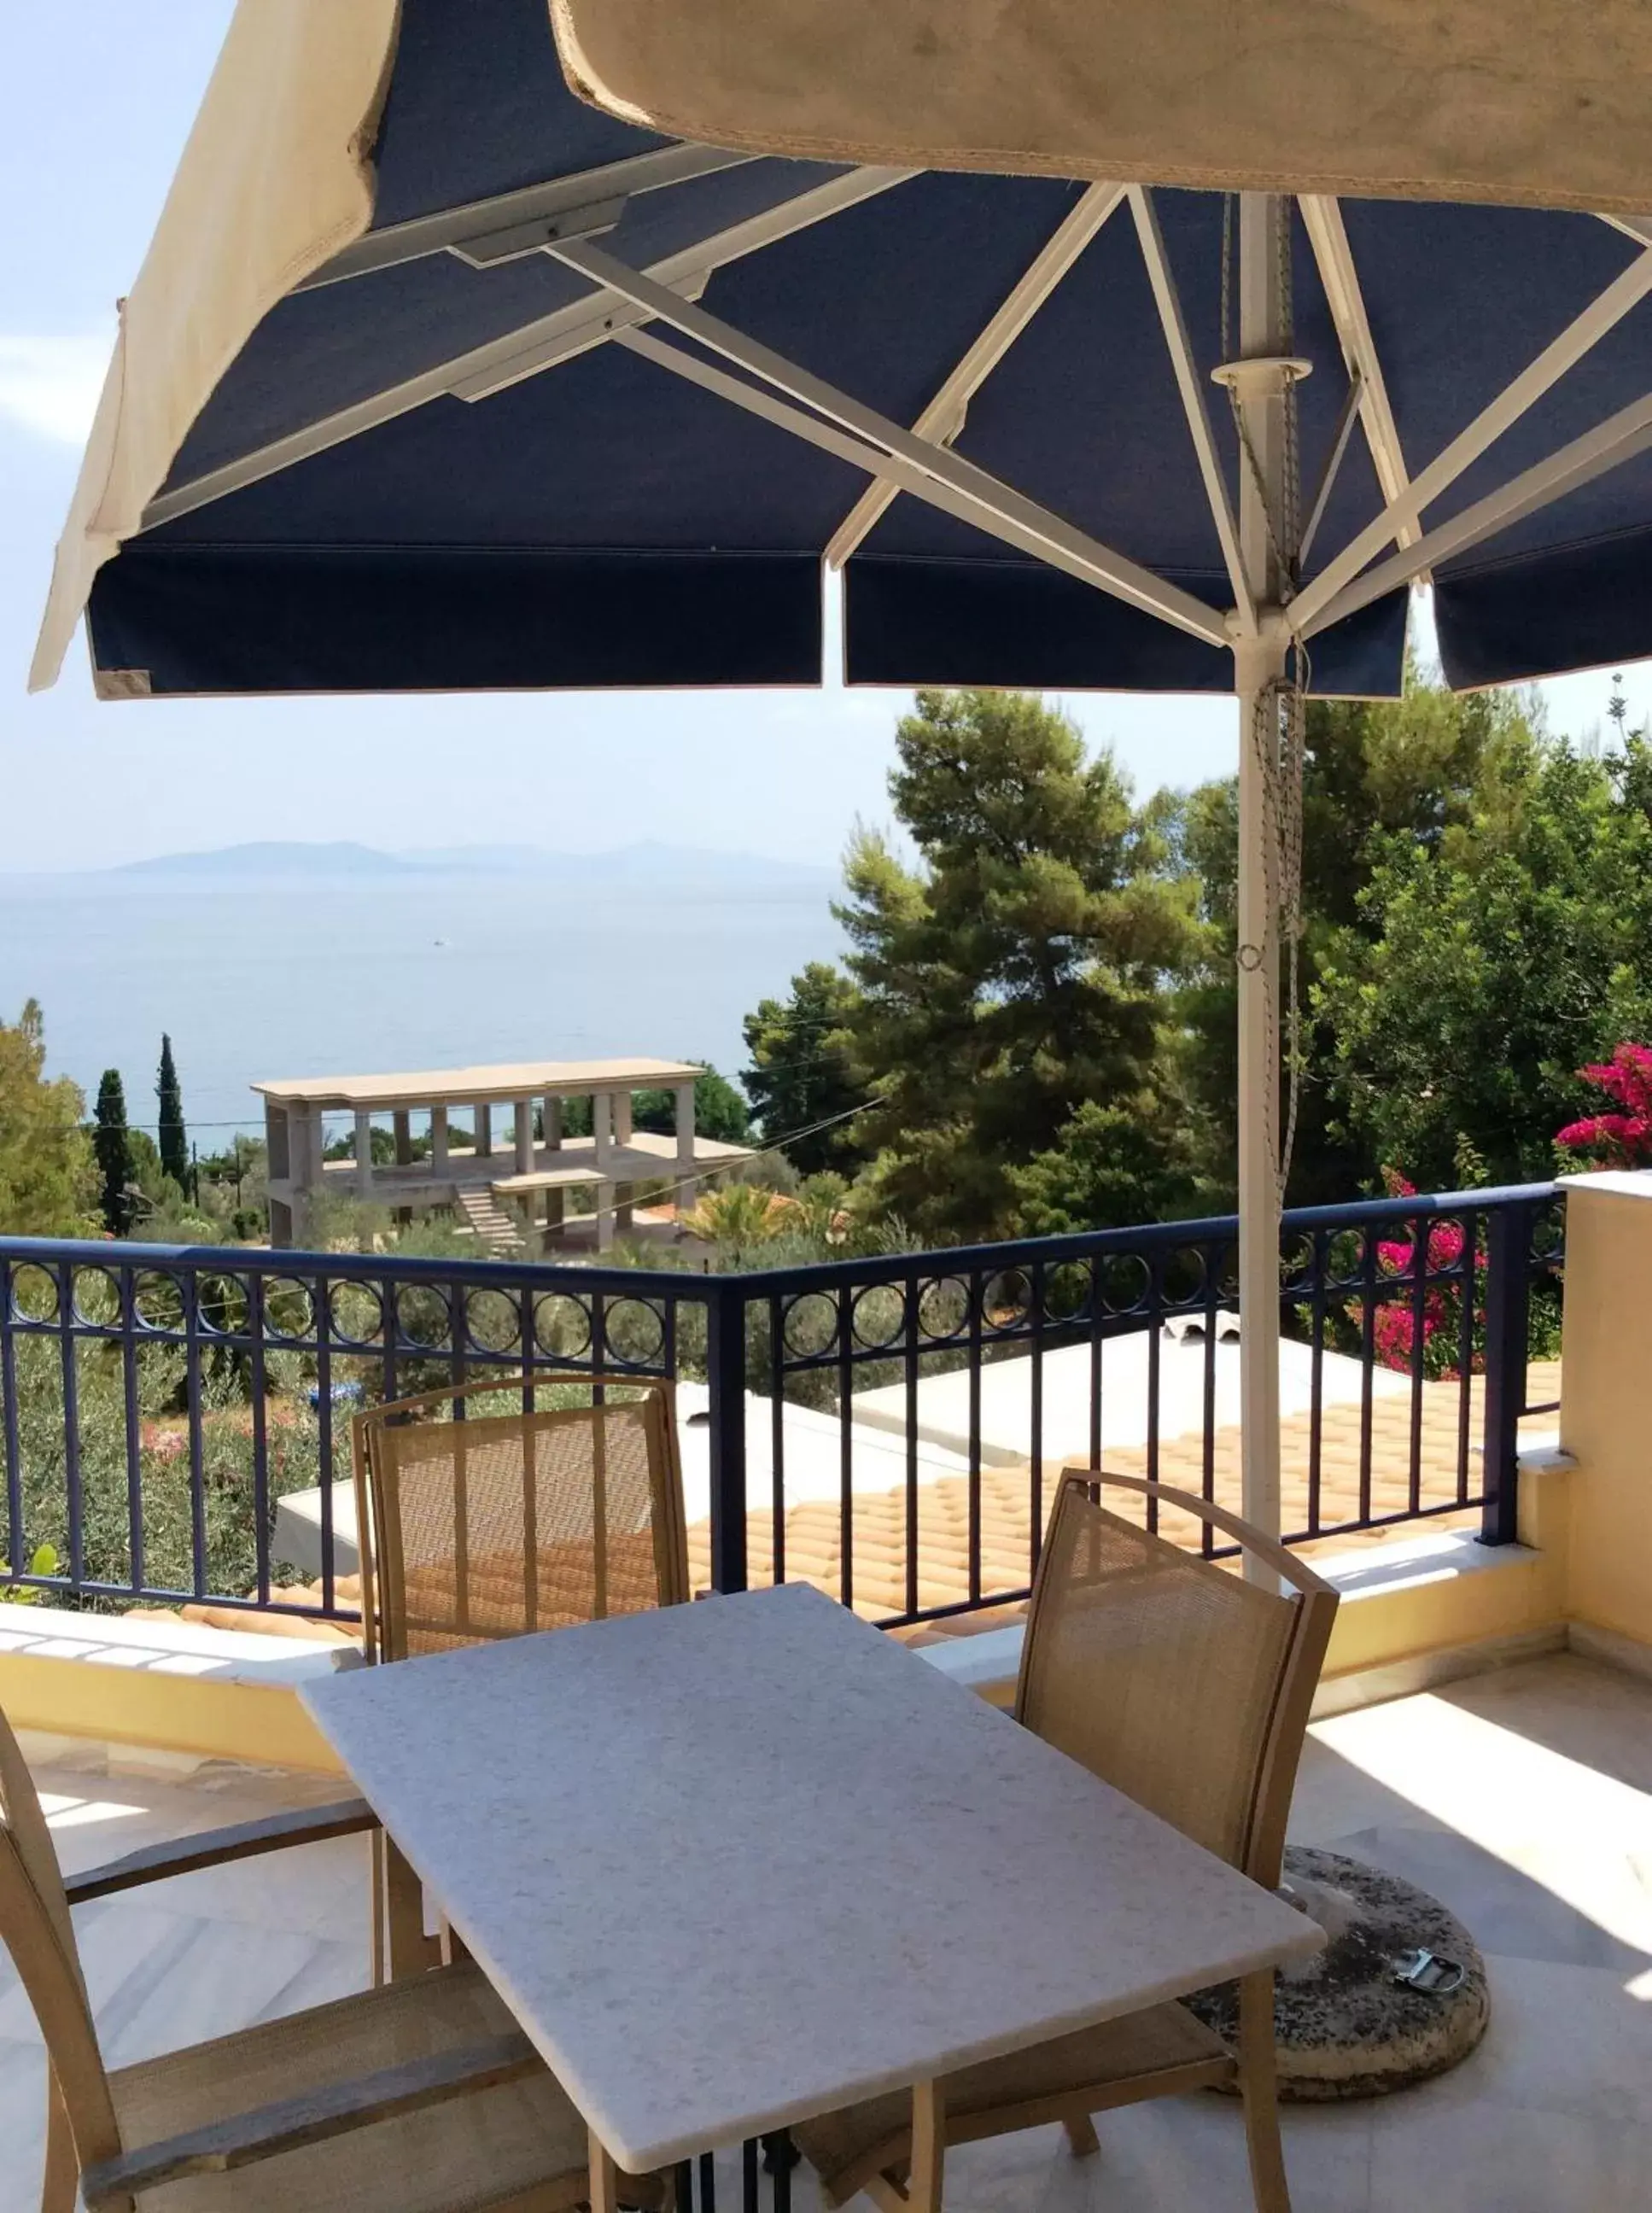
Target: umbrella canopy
x,y
437,377
440,456
1480,100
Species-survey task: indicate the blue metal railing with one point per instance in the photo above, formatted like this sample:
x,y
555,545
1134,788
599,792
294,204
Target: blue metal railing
x,y
159,1400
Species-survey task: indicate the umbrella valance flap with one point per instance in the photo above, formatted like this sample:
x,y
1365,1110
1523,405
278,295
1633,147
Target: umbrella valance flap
x,y
1537,103
276,178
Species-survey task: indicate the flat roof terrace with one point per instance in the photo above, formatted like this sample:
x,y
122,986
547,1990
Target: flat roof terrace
x,y
485,1086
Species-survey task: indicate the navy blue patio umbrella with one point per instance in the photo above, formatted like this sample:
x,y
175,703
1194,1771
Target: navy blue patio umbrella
x,y
438,377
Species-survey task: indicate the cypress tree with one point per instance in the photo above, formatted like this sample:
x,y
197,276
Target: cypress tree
x,y
173,1138
112,1147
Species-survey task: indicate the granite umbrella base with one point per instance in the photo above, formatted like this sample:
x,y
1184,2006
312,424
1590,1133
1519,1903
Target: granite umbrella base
x,y
1398,1994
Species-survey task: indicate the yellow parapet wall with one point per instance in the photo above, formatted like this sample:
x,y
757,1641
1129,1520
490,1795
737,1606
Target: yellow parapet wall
x,y
1426,1610
169,1685
1606,1415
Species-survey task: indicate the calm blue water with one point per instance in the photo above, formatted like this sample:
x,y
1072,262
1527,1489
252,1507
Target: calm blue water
x,y
325,975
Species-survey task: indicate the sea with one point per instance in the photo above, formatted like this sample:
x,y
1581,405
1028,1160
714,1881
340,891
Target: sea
x,y
354,976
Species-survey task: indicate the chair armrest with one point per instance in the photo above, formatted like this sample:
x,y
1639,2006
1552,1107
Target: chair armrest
x,y
333,2110
305,1825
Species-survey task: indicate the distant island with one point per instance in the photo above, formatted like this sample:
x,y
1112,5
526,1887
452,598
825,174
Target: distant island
x,y
643,865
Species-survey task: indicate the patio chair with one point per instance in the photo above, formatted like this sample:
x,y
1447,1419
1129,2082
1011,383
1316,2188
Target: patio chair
x,y
483,1525
491,1525
1188,1688
422,2097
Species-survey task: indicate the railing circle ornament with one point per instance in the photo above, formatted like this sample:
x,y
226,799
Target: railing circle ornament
x,y
1124,1283
35,1294
1007,1303
355,1316
562,1326
493,1323
633,1332
810,1324
943,1309
158,1302
96,1298
289,1311
877,1316
424,1318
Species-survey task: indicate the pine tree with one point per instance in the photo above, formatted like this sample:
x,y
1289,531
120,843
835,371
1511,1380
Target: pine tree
x,y
801,1076
112,1143
174,1138
1016,973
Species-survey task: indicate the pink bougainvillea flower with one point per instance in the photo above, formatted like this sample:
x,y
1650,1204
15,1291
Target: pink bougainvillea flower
x,y
1617,1141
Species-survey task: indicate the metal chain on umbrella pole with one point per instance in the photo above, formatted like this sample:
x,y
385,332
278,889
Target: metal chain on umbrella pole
x,y
1277,733
1277,737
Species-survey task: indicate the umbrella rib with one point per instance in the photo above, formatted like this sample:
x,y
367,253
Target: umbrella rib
x,y
1168,300
1347,417
882,467
1602,314
452,229
943,418
1637,227
1327,235
1608,446
522,352
992,499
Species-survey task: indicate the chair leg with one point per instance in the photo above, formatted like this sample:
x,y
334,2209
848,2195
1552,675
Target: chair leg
x,y
379,1906
1259,2086
605,2177
412,1951
1081,2135
929,2146
61,2181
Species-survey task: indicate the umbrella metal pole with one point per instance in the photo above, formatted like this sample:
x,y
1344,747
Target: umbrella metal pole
x,y
1258,380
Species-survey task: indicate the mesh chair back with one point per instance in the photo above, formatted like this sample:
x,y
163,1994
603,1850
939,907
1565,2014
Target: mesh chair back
x,y
36,1929
1179,1683
491,1525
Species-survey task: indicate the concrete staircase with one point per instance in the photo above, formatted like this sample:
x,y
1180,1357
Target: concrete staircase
x,y
494,1228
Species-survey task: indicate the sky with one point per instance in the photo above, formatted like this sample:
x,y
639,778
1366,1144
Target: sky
x,y
98,98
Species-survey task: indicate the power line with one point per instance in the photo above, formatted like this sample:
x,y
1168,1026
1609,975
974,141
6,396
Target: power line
x,y
762,1152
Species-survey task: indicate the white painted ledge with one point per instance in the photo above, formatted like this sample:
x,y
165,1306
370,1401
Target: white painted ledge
x,y
1617,1183
1407,1564
169,1648
989,1663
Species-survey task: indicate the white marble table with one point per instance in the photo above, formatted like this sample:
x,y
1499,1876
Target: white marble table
x,y
735,1863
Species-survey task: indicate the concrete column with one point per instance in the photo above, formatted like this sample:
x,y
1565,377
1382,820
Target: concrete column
x,y
281,1223
308,1138
625,1218
621,1104
684,1129
363,1155
552,1124
605,1212
438,1141
402,1122
555,1214
602,1127
522,1127
275,1141
484,1131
